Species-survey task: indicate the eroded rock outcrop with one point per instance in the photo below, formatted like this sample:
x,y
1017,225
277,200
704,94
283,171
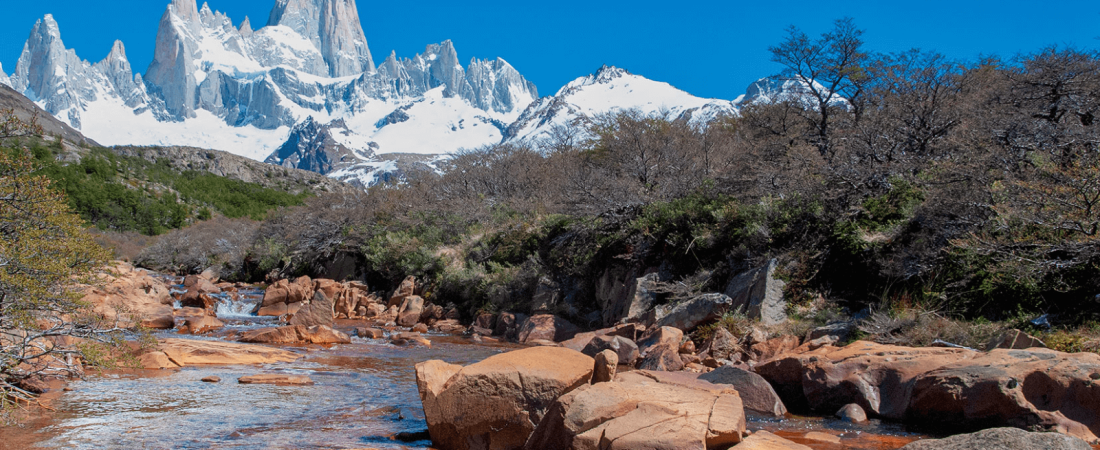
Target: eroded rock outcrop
x,y
130,297
876,377
1033,388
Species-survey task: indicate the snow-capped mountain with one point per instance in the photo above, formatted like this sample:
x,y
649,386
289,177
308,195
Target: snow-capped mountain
x,y
611,89
215,85
303,92
784,89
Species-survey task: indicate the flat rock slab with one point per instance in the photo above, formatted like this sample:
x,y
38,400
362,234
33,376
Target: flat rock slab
x,y
276,379
185,352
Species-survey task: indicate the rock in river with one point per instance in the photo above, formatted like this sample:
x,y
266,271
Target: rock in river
x,y
497,402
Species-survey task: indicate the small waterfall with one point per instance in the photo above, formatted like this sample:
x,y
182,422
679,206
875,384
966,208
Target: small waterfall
x,y
239,305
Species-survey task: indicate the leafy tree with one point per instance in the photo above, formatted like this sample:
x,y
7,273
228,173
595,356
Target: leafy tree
x,y
45,254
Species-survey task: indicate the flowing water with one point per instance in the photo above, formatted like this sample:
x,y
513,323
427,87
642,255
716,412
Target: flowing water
x,y
364,395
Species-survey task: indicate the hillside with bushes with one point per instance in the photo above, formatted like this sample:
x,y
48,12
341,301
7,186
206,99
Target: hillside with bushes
x,y
897,181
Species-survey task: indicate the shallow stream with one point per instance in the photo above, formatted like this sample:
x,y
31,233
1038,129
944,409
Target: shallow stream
x,y
364,394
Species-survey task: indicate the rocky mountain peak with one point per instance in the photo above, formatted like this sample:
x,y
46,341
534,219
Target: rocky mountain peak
x,y
185,9
312,147
116,68
246,28
4,80
607,74
47,71
333,27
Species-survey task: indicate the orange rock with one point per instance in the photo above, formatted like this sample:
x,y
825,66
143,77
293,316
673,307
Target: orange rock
x,y
1033,388
201,325
295,334
874,376
546,327
643,410
186,352
497,402
129,297
772,348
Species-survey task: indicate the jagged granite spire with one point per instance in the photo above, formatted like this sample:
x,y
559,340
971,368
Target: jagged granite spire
x,y
246,28
332,26
497,86
116,68
171,75
53,76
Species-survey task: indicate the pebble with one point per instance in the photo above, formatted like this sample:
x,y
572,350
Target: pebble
x,y
211,380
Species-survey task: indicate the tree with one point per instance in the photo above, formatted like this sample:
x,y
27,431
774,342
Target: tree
x,y
831,70
45,255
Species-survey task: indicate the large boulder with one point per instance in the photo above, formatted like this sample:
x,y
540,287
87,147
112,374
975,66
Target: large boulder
x,y
408,314
876,377
509,324
625,349
759,294
282,293
546,327
200,284
185,352
661,336
643,410
721,344
661,357
1002,439
696,311
496,403
201,324
405,289
1033,388
756,393
316,312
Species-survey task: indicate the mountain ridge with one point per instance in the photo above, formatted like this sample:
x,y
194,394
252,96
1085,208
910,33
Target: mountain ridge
x,y
303,92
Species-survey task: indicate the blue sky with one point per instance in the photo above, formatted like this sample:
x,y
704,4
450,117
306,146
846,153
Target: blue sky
x,y
708,48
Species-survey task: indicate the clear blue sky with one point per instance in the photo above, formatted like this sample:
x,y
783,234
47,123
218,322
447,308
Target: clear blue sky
x,y
708,48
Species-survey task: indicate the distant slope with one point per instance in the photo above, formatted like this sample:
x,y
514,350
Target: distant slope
x,y
25,109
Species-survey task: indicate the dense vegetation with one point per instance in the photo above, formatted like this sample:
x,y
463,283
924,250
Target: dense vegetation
x,y
120,193
894,181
